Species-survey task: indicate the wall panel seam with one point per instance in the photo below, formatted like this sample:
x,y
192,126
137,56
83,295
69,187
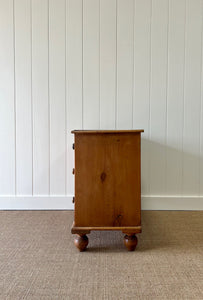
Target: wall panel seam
x,y
116,71
201,107
49,121
31,90
82,64
183,111
133,69
150,87
99,64
14,78
167,83
65,99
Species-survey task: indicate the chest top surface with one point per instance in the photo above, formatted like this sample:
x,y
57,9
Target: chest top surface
x,y
106,131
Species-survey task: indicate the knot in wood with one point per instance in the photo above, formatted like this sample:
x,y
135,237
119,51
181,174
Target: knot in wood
x,y
103,176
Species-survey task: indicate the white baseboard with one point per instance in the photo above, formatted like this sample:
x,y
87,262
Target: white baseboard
x,y
65,202
36,202
172,202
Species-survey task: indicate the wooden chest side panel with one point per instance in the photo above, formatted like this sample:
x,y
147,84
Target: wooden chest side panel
x,y
107,179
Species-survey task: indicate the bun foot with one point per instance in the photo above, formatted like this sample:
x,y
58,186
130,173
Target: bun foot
x,y
81,242
130,241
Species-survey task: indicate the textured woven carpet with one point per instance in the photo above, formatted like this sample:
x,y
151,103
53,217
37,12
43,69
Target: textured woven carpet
x,y
38,259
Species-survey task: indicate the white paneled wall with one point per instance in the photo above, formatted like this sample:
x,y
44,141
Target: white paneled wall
x,y
7,101
40,97
23,96
100,64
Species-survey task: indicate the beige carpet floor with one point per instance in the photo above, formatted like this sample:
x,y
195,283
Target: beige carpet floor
x,y
38,259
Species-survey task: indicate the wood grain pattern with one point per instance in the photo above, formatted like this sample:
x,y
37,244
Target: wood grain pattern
x,y
107,184
124,229
107,179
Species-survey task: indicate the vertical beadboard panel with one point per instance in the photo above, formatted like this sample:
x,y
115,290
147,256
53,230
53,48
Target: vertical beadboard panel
x,y
176,44
57,95
201,149
141,105
191,129
68,64
40,97
107,63
7,100
74,79
201,144
23,97
125,13
91,64
201,121
158,96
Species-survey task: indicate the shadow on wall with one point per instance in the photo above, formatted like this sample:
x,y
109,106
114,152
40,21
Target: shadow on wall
x,y
168,170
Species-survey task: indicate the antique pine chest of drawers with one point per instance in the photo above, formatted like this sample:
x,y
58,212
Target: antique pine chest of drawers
x,y
107,184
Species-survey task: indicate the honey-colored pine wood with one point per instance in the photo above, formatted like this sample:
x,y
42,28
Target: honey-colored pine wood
x,y
106,131
107,181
